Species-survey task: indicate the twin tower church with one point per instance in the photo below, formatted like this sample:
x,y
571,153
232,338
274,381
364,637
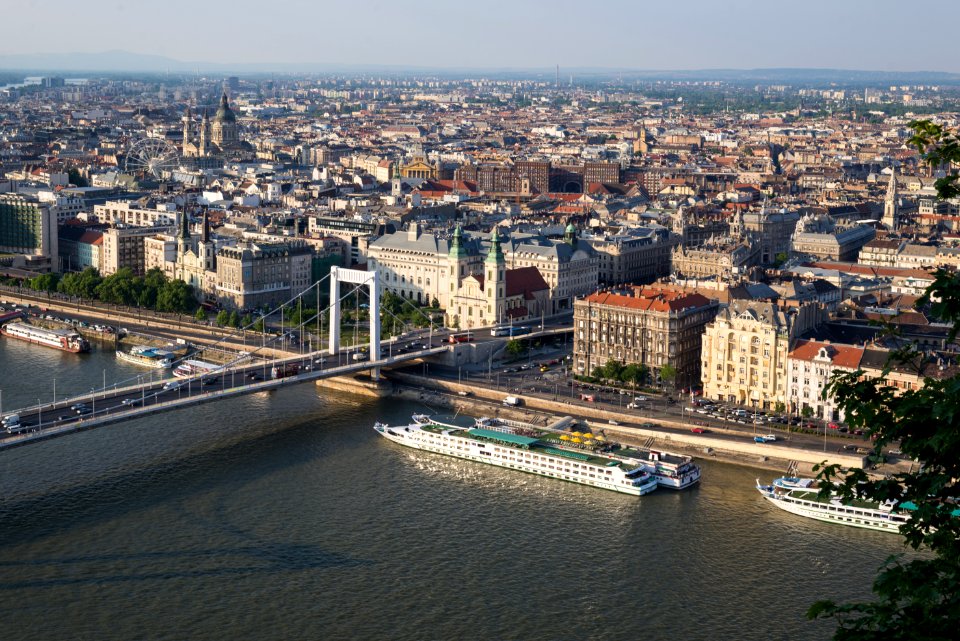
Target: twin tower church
x,y
216,137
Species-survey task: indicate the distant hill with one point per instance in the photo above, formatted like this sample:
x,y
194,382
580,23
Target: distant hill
x,y
127,62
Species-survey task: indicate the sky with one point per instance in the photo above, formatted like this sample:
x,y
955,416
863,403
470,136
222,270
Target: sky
x,y
883,35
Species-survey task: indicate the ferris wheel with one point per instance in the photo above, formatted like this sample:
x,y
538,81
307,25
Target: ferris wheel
x,y
151,157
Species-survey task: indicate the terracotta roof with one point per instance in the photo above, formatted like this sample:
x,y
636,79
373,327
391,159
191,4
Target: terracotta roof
x,y
650,298
847,356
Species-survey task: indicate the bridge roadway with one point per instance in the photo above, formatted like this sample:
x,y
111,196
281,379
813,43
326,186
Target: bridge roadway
x,y
117,405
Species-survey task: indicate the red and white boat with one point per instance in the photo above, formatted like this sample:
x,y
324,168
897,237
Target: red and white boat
x,y
67,340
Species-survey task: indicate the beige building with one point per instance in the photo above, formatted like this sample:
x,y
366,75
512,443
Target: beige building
x,y
649,326
809,367
125,247
160,252
136,213
258,275
744,355
423,266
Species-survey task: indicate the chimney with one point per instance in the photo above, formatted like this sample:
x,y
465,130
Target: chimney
x,y
413,231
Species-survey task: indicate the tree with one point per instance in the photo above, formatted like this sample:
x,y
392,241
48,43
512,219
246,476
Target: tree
x,y
201,315
515,348
919,598
258,326
779,407
630,374
668,374
234,320
246,321
118,288
45,282
176,296
806,411
612,370
223,317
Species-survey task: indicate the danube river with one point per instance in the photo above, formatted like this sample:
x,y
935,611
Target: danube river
x,y
284,516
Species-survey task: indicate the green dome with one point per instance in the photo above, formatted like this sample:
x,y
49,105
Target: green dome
x,y
225,113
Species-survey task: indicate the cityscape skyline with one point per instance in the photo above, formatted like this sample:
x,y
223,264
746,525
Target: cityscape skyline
x,y
742,34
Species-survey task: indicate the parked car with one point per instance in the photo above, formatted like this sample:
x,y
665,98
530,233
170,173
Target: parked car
x,y
698,430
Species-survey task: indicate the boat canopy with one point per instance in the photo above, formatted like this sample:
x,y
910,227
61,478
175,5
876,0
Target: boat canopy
x,y
503,437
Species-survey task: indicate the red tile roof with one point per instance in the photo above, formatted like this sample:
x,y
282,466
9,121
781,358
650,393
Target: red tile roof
x,y
841,355
650,298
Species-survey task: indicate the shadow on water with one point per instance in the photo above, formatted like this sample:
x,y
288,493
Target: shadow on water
x,y
143,487
171,482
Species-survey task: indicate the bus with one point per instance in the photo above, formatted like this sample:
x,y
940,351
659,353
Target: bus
x,y
507,330
461,337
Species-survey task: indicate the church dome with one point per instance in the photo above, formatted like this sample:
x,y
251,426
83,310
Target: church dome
x,y
225,113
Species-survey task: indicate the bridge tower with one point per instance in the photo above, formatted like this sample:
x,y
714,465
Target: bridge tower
x,y
357,277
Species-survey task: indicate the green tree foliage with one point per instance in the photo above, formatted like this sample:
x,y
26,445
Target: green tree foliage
x,y
918,598
176,296
45,282
516,348
201,315
223,318
83,284
668,374
612,370
258,325
234,320
246,321
118,288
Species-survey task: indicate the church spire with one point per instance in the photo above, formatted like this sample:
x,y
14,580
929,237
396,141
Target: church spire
x,y
184,226
495,256
457,250
205,233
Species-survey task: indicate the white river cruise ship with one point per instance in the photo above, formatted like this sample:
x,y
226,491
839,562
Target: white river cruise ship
x,y
800,496
524,449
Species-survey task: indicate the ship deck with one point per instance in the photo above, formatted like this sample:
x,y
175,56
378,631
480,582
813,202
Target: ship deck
x,y
545,443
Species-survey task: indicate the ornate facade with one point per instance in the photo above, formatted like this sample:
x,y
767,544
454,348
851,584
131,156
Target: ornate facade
x,y
649,326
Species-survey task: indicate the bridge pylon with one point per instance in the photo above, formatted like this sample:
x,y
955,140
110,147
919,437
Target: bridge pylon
x,y
357,277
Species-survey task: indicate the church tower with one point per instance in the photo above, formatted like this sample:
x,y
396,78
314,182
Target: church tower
x,y
458,260
204,135
570,235
496,280
396,185
891,209
186,130
183,237
206,248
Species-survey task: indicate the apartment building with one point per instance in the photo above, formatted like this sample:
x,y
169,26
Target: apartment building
x,y
650,326
744,354
810,365
262,275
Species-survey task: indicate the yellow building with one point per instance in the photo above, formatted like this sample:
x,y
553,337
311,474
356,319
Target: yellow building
x,y
744,352
418,167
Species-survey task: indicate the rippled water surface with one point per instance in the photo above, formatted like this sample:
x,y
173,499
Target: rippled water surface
x,y
285,516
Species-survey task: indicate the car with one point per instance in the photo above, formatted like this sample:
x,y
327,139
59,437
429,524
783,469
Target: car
x,y
640,399
210,381
698,430
128,401
78,406
252,376
613,422
171,385
833,426
83,411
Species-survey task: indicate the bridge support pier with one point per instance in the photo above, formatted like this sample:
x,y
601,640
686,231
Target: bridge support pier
x,y
357,277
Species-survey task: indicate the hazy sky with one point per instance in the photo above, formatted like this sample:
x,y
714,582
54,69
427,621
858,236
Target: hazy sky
x,y
638,34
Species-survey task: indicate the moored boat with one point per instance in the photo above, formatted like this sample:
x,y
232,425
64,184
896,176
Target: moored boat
x,y
524,449
189,368
147,357
67,340
800,496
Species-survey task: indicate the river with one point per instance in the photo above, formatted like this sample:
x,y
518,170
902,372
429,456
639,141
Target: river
x,y
284,516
